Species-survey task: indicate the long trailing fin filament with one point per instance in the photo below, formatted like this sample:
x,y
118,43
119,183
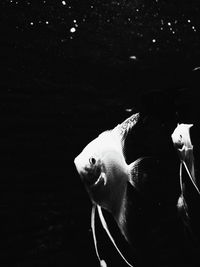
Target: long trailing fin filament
x,y
104,224
102,262
189,174
181,178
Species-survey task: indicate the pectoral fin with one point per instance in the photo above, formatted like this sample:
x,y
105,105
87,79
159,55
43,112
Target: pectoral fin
x,y
134,171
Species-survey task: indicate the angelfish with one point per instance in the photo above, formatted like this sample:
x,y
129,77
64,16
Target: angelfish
x,y
103,169
182,143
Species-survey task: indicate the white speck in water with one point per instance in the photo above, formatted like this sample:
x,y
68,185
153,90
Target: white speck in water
x,y
64,3
197,68
193,28
47,22
133,57
189,20
72,29
154,40
31,23
128,109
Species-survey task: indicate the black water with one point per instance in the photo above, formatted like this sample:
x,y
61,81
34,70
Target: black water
x,y
51,107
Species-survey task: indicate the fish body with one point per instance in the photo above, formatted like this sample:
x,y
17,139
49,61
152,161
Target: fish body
x,y
182,142
102,167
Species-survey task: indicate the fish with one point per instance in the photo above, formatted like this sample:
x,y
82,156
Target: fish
x,y
182,142
105,173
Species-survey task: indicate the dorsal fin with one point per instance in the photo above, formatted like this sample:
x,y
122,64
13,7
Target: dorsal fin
x,y
124,128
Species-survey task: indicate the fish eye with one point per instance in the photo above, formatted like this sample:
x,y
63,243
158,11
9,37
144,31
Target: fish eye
x,y
92,160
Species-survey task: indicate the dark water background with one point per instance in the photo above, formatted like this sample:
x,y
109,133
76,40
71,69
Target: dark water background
x,y
51,107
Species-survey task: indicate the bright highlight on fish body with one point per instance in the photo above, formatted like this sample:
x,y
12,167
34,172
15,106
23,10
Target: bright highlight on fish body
x,y
103,169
